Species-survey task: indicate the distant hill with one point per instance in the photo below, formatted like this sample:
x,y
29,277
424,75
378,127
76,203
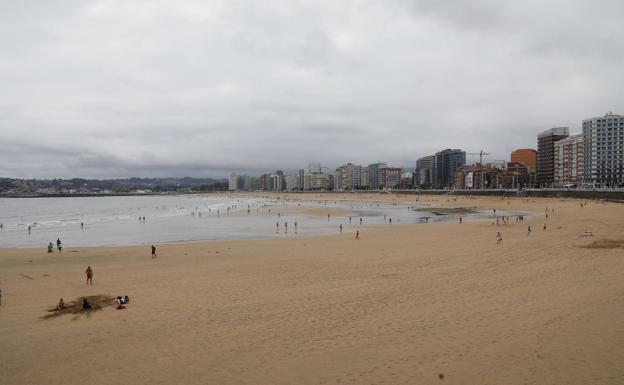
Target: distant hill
x,y
79,185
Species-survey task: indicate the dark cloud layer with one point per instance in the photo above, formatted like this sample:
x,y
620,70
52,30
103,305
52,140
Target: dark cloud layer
x,y
156,88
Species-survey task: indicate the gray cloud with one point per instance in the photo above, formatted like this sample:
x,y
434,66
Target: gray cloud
x,y
155,88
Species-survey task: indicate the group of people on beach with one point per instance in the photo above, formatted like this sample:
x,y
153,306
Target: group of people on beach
x,y
277,226
85,304
59,245
499,237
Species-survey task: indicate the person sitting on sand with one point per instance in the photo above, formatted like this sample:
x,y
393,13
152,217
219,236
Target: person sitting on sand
x,y
85,304
122,300
60,305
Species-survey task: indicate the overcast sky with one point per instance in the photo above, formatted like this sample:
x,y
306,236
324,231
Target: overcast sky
x,y
201,88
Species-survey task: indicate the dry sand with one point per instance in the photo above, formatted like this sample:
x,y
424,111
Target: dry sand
x,y
410,304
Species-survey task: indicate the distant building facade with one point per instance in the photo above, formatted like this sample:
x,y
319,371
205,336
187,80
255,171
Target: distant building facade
x,y
603,150
233,182
316,177
348,177
292,182
482,177
522,175
277,181
265,182
546,154
444,165
364,178
389,177
527,156
373,175
422,174
243,183
569,161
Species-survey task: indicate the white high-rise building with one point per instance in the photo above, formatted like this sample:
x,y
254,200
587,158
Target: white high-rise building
x,y
292,182
315,177
603,150
233,182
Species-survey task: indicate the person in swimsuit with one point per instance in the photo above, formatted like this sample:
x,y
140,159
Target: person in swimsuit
x,y
89,273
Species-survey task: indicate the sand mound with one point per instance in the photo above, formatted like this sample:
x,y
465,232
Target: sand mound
x,y
605,244
98,302
447,210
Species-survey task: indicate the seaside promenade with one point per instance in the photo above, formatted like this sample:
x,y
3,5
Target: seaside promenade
x,y
404,304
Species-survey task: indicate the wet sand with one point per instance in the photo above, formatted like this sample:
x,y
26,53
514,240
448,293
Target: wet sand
x,y
404,304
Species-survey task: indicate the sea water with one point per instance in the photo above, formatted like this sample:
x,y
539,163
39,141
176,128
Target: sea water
x,y
118,220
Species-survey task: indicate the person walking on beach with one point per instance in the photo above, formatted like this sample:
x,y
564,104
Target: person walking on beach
x,y
390,220
59,246
360,221
544,226
89,273
28,229
50,247
499,238
460,220
153,251
341,228
357,234
529,230
327,217
81,225
295,227
285,227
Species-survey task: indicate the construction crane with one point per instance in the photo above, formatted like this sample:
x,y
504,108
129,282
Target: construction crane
x,y
480,155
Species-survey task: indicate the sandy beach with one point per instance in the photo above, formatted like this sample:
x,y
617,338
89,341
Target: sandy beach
x,y
437,303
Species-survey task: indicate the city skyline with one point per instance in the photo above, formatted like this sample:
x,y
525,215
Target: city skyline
x,y
101,89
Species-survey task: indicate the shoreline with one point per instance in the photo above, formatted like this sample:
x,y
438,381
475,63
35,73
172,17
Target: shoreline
x,y
298,210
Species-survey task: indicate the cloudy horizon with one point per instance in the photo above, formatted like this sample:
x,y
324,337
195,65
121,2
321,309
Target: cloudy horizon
x,y
107,89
